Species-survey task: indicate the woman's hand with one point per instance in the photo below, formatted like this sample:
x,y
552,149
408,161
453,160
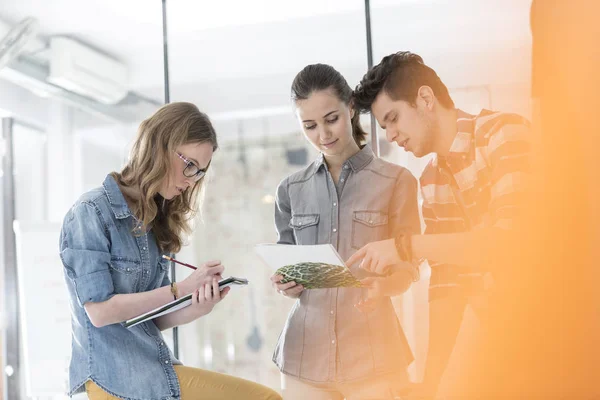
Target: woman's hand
x,y
204,274
206,298
289,289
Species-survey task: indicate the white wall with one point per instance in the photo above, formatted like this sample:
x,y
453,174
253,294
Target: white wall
x,y
21,103
54,163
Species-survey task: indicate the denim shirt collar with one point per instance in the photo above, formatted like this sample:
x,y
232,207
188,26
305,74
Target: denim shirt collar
x,y
356,162
117,201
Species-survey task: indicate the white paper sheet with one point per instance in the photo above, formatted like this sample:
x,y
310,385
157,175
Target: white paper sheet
x,y
280,255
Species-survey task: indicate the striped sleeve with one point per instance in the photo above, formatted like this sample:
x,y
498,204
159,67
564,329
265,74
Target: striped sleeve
x,y
508,152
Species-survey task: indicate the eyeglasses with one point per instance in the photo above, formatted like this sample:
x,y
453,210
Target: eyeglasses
x,y
191,170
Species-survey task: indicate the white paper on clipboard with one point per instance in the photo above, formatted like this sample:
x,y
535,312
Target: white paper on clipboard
x,y
280,255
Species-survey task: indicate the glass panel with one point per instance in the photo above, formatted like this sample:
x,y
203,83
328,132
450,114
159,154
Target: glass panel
x,y
77,100
238,67
30,154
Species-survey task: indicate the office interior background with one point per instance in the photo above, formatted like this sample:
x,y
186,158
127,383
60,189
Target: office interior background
x,y
88,72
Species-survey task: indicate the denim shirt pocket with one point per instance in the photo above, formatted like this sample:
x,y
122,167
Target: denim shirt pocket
x,y
126,274
368,226
305,228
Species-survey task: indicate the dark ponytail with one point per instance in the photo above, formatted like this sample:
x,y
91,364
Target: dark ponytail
x,y
358,133
317,77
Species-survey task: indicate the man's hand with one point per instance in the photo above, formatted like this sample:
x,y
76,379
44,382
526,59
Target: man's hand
x,y
380,287
376,289
376,257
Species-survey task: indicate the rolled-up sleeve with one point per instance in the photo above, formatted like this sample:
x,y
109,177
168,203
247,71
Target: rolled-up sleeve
x,y
85,254
283,214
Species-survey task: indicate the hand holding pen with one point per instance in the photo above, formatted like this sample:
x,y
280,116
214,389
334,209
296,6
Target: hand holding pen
x,y
202,275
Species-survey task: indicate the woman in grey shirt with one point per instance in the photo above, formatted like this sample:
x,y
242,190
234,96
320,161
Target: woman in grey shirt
x,y
331,347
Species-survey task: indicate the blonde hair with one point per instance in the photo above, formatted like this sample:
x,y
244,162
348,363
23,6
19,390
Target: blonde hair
x,y
158,137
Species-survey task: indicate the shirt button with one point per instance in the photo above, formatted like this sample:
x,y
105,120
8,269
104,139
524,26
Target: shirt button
x,y
128,269
370,221
160,344
345,167
342,180
333,342
331,312
335,230
144,248
334,204
166,361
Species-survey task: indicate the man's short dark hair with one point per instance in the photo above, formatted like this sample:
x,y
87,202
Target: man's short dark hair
x,y
400,75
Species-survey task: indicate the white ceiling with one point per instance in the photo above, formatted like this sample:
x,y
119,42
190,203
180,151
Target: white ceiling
x,y
230,55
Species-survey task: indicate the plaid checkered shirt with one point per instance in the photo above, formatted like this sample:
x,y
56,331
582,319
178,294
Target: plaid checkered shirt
x,y
480,183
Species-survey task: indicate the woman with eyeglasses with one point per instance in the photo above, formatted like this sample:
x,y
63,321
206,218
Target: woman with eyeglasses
x,y
342,342
111,246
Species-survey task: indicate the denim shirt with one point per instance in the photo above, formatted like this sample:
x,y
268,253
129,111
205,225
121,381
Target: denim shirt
x,y
325,338
101,258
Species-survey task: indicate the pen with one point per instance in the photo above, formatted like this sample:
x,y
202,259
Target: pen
x,y
178,262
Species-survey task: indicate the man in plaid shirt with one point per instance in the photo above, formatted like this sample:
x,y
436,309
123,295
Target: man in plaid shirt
x,y
473,190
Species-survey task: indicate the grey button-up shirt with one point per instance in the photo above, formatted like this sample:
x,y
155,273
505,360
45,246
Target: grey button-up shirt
x,y
326,339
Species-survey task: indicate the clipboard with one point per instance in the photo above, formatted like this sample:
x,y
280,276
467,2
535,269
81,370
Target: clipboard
x,y
180,303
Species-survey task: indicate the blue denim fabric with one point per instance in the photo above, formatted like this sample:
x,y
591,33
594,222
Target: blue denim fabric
x,y
102,257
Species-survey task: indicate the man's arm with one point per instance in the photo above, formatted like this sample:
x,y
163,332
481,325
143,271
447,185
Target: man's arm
x,y
404,219
475,249
471,249
508,153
